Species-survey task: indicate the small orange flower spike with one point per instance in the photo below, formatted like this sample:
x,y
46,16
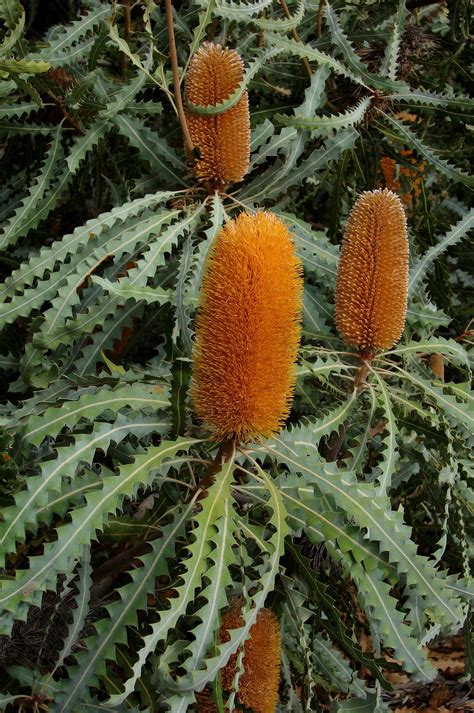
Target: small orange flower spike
x,y
258,684
372,280
223,140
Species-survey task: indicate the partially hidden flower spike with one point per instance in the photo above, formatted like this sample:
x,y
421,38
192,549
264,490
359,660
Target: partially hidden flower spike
x,y
258,683
372,279
222,140
248,330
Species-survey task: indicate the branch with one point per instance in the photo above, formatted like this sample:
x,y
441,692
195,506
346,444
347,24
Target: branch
x,y
224,454
296,37
177,89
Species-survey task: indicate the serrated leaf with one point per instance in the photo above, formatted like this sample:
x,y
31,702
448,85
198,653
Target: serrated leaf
x,y
17,111
409,137
152,148
89,406
357,66
321,125
15,21
388,67
313,55
56,329
20,221
84,144
283,24
150,295
390,452
23,66
437,345
395,633
84,524
69,43
91,664
424,263
213,508
311,430
71,243
383,525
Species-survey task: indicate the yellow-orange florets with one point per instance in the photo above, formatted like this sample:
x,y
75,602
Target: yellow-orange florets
x,y
248,330
372,280
222,140
258,684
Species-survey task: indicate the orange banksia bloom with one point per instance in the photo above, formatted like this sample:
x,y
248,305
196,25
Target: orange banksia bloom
x,y
372,279
248,329
222,140
258,684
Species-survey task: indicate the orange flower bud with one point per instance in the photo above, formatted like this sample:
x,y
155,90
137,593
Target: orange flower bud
x,y
248,329
372,280
436,362
223,140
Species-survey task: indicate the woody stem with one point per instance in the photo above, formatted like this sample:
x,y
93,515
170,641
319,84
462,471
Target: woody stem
x,y
224,454
177,88
361,374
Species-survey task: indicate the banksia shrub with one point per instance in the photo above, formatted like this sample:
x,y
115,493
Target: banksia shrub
x,y
372,280
222,140
248,330
258,684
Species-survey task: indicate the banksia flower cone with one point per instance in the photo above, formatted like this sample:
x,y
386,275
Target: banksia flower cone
x,y
258,684
248,330
372,280
223,140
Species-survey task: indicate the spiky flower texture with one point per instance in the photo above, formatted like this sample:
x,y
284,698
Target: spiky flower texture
x,y
248,329
372,280
223,140
258,684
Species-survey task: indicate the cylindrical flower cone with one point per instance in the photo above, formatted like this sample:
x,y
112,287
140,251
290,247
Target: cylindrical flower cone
x,y
248,330
258,684
372,279
222,140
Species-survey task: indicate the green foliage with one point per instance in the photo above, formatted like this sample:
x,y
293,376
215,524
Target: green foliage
x,y
104,237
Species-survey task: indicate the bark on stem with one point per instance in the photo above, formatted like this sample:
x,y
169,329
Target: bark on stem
x,y
177,88
361,374
224,454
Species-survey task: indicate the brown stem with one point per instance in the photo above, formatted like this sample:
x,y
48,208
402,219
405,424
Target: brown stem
x,y
70,119
320,18
296,37
333,451
177,89
104,576
224,454
362,371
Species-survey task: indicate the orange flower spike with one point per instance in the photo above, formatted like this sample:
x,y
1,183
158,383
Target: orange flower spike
x,y
248,330
372,279
258,684
223,140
